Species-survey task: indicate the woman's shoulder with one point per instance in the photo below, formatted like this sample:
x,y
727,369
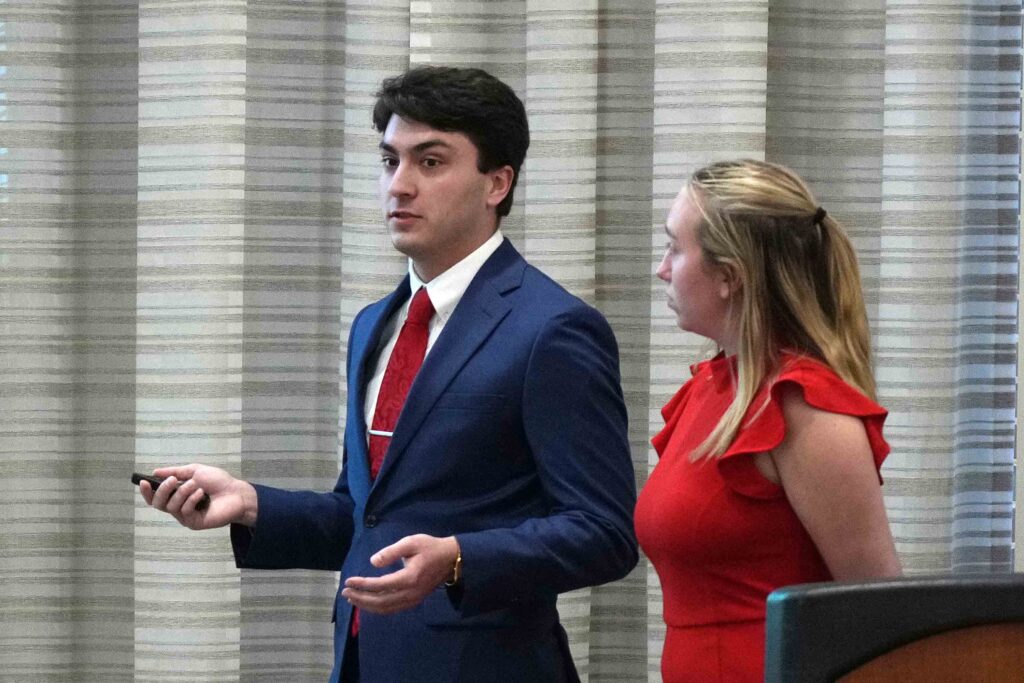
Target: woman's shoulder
x,y
801,386
820,387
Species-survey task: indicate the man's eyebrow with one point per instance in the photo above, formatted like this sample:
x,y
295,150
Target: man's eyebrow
x,y
668,232
416,149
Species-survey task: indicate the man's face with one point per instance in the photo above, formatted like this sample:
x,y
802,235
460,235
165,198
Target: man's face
x,y
438,206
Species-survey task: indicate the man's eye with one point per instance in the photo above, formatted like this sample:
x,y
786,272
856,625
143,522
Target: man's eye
x,y
431,163
388,162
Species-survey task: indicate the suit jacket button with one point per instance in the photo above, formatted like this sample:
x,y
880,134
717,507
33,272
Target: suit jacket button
x,y
370,521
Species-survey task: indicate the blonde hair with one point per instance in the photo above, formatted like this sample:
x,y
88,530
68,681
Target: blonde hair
x,y
798,282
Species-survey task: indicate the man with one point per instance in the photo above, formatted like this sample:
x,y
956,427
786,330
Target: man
x,y
503,476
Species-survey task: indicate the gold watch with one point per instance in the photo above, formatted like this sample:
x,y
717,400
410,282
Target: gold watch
x,y
456,570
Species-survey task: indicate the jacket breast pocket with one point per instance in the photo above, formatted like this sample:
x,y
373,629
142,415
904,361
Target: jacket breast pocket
x,y
475,402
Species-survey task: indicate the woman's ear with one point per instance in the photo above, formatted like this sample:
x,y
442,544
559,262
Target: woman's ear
x,y
729,281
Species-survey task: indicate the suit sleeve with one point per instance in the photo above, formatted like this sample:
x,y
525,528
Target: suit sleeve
x,y
296,529
575,423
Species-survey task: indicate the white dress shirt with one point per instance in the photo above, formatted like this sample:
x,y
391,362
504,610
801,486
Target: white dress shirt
x,y
445,292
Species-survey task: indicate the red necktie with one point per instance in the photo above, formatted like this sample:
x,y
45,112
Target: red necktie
x,y
406,359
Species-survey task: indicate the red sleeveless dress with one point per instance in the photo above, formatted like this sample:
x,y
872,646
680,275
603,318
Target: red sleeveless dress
x,y
720,535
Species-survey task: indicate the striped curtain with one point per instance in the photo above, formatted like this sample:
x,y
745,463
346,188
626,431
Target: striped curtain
x,y
190,222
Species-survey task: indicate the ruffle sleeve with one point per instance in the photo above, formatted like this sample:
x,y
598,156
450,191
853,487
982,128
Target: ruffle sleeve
x,y
671,413
823,389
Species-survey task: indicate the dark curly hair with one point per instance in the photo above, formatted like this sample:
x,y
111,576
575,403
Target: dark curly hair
x,y
468,101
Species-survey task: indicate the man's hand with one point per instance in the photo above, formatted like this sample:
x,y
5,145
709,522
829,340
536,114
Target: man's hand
x,y
428,562
231,500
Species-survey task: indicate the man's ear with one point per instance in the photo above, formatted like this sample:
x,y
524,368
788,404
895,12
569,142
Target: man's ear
x,y
500,180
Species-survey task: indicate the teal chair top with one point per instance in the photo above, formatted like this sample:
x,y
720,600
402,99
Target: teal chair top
x,y
817,632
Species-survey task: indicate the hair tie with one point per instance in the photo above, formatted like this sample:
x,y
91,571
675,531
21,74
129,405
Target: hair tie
x,y
819,215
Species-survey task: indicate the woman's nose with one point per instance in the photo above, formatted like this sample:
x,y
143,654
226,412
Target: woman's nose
x,y
664,272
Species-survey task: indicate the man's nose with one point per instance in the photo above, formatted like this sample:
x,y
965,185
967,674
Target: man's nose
x,y
402,182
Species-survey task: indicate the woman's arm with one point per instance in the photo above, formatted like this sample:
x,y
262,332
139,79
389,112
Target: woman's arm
x,y
827,470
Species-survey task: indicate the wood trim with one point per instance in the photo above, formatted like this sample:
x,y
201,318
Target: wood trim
x,y
993,653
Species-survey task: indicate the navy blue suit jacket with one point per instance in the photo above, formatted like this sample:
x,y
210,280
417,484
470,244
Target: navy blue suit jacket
x,y
512,438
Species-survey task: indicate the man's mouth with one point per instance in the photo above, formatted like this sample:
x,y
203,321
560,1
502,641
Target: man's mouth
x,y
402,214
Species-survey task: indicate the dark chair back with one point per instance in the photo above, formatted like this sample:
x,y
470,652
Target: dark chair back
x,y
939,628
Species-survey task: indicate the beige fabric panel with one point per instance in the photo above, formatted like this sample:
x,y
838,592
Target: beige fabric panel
x,y
68,345
946,329
291,324
189,310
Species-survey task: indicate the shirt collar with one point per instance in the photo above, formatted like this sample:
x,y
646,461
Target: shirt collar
x,y
446,289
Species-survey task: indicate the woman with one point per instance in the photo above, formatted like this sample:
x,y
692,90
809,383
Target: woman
x,y
768,469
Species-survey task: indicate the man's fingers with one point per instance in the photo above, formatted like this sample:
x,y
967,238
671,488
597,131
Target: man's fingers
x,y
147,492
179,496
181,473
377,591
189,506
404,547
163,493
387,602
172,495
187,490
395,581
402,589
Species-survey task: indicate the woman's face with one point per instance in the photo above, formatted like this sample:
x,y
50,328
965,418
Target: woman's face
x,y
698,291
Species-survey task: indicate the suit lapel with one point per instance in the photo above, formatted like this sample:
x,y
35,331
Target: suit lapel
x,y
479,311
365,342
